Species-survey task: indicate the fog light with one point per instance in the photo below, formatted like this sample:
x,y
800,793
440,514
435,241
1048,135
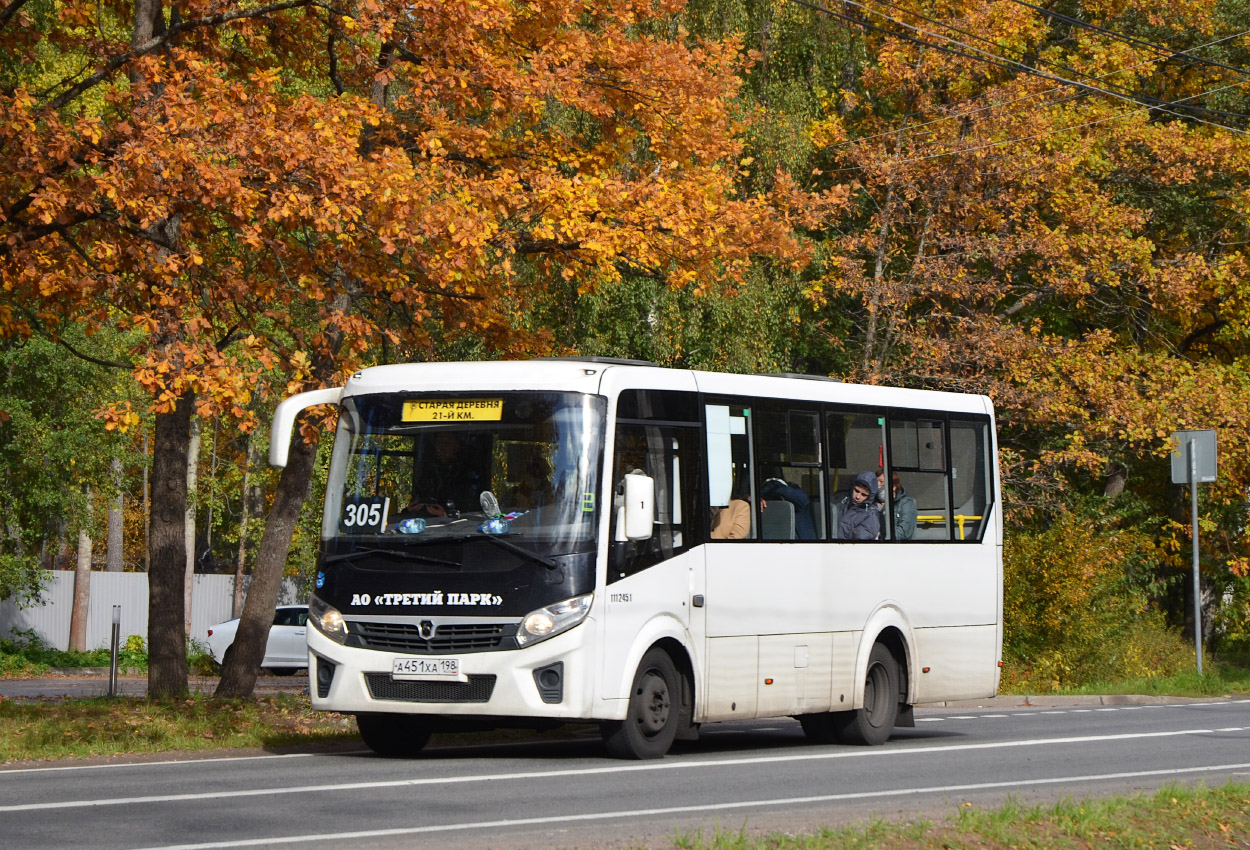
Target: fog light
x,y
550,682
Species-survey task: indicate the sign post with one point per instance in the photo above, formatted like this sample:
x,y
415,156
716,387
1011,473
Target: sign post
x,y
1194,461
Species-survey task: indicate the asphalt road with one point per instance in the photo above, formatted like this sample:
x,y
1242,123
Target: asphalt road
x,y
759,775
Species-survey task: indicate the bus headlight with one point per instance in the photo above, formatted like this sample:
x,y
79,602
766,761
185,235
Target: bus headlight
x,y
560,617
327,619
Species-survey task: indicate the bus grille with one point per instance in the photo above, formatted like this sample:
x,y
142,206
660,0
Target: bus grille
x,y
447,637
477,689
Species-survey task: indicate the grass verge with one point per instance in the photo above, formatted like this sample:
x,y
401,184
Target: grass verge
x,y
1175,817
1216,680
86,728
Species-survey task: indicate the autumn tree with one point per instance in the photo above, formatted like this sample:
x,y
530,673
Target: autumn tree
x,y
308,187
1049,209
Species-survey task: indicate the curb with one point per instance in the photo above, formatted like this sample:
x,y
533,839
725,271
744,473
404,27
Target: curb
x,y
1014,701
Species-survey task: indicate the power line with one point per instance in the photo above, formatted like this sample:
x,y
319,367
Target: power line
x,y
989,107
1006,64
1162,49
1006,142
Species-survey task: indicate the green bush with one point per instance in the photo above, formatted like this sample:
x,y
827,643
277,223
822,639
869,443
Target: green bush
x,y
26,654
1071,614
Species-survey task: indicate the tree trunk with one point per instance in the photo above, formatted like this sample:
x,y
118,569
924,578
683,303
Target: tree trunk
x,y
115,562
1117,478
188,528
237,608
167,641
147,509
238,678
82,589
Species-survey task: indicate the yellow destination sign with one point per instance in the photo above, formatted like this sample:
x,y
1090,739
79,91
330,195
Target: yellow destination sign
x,y
453,410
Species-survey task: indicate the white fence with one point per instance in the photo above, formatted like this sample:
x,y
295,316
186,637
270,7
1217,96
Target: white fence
x,y
49,616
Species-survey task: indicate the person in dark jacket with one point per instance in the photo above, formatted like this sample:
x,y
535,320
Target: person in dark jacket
x,y
778,488
858,518
904,511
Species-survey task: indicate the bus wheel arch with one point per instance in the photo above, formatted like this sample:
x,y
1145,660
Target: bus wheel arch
x,y
660,705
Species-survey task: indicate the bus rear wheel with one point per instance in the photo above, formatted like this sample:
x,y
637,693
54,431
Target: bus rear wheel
x,y
393,735
874,723
648,730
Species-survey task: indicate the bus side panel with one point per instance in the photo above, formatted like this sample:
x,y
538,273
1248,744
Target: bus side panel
x,y
962,662
794,674
733,664
638,611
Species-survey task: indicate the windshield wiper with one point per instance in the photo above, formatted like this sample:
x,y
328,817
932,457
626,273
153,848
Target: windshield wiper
x,y
394,553
520,550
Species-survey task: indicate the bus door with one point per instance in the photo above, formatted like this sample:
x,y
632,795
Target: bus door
x,y
770,595
651,583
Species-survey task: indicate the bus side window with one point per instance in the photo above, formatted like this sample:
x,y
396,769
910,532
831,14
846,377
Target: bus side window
x,y
971,487
856,445
787,479
729,473
663,453
918,455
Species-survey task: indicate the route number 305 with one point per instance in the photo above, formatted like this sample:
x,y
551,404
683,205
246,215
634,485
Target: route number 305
x,y
365,515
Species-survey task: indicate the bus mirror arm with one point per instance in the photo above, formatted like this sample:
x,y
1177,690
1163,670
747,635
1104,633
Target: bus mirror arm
x,y
284,420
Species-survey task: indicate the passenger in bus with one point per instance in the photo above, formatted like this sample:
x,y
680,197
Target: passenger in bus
x,y
733,522
858,518
904,510
776,487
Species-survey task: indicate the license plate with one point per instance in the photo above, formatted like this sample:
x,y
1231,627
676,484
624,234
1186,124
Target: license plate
x,y
416,668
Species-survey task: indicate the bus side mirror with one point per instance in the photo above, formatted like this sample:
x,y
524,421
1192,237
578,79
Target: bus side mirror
x,y
639,521
284,420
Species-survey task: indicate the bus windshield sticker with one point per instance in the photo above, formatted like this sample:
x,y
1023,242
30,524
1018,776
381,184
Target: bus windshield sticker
x,y
365,515
454,410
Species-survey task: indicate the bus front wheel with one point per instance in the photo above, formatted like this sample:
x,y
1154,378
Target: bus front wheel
x,y
393,735
874,723
654,711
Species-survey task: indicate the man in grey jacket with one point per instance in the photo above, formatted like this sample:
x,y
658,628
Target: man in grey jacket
x,y
904,511
858,518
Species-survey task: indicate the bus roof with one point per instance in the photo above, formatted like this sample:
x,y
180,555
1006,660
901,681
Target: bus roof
x,y
590,375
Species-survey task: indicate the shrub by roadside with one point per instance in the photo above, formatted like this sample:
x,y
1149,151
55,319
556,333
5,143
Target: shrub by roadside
x,y
1070,615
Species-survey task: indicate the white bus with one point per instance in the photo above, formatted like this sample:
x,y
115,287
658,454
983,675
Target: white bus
x,y
649,549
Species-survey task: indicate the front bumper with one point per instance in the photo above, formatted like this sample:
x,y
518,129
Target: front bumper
x,y
501,683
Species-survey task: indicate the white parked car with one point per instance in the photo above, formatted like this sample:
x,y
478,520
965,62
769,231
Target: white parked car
x,y
285,651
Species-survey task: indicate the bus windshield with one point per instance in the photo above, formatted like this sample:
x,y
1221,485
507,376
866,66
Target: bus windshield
x,y
517,466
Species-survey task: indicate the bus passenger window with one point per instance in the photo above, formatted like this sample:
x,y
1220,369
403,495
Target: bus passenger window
x,y
971,486
856,452
918,455
788,476
729,472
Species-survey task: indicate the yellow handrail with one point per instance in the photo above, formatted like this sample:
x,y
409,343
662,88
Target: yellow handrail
x,y
940,519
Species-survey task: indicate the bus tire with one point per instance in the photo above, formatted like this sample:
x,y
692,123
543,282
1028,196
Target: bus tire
x,y
654,711
820,728
393,735
874,723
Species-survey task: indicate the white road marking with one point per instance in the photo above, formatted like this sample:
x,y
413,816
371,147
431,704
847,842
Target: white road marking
x,y
4,773
616,768
678,810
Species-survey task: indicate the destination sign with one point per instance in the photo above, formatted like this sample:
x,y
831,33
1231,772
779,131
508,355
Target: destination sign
x,y
453,410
